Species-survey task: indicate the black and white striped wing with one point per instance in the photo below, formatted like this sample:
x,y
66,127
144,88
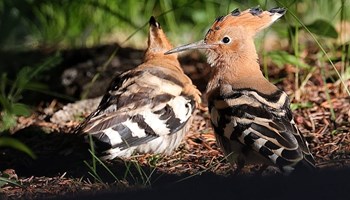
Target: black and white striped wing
x,y
139,107
263,123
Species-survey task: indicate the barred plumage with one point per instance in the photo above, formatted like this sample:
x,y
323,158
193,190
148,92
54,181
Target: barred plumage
x,y
251,117
262,122
147,109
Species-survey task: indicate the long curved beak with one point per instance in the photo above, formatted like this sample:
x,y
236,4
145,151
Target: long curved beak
x,y
196,45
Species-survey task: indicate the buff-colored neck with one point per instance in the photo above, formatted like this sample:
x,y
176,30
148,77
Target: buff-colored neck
x,y
238,68
161,60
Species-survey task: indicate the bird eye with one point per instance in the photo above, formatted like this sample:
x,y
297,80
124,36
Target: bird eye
x,y
226,40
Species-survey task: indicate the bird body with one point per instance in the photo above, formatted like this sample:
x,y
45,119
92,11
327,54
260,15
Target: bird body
x,y
147,109
250,116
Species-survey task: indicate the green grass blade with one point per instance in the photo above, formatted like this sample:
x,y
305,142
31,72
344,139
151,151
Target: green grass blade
x,y
104,166
6,180
323,51
93,172
13,143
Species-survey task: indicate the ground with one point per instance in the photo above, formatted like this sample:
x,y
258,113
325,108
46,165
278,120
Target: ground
x,y
60,169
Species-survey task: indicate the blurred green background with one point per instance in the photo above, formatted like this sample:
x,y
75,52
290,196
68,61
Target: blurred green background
x,y
28,24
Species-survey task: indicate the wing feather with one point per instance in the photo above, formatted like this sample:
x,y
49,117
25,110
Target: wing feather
x,y
134,112
267,127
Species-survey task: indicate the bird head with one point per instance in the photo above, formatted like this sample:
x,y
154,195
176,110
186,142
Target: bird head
x,y
229,34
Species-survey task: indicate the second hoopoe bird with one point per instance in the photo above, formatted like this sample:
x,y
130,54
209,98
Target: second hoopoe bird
x,y
147,109
251,117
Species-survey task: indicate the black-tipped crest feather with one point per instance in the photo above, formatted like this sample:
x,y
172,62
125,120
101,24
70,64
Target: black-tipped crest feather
x,y
153,22
236,12
256,11
278,10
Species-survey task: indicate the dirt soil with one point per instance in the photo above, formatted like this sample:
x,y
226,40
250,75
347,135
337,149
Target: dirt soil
x,y
61,167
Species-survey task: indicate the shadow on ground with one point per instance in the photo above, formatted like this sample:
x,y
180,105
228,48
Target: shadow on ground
x,y
329,184
65,153
61,152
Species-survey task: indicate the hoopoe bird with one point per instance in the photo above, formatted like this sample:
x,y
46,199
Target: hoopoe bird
x,y
147,109
250,116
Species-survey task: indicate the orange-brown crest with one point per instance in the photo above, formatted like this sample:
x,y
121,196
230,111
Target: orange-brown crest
x,y
235,30
248,22
157,40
